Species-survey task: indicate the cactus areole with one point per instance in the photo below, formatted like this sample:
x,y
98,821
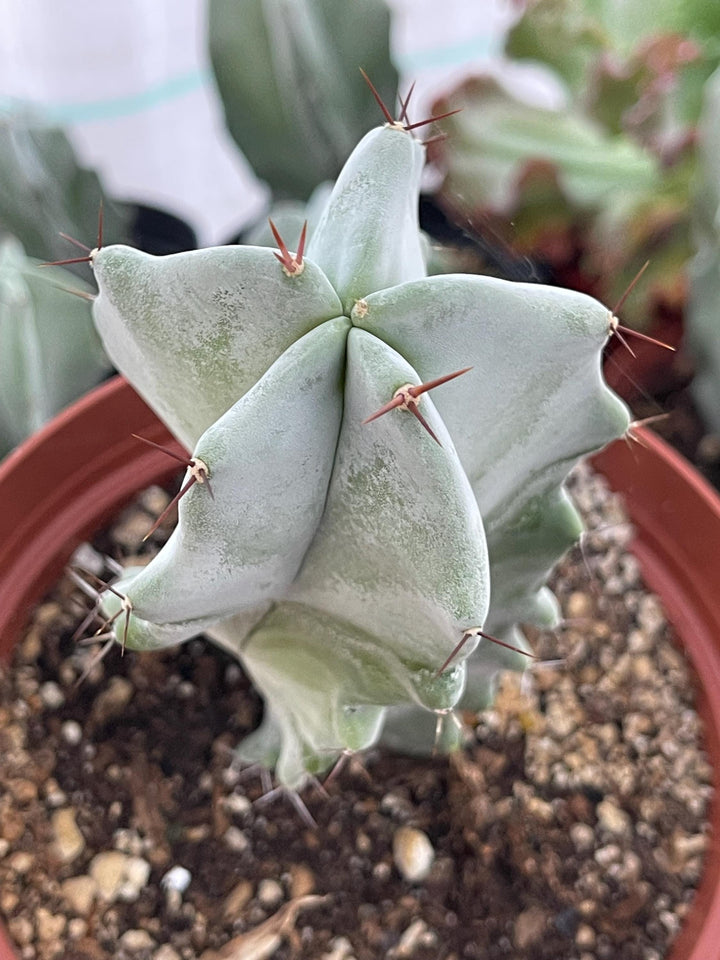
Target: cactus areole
x,y
360,520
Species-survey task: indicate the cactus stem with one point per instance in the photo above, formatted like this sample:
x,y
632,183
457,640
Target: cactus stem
x,y
439,723
199,474
292,265
477,632
407,397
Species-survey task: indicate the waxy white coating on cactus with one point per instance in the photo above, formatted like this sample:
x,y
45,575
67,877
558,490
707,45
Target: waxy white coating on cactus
x,y
343,560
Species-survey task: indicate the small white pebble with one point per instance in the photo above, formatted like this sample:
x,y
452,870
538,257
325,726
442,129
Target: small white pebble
x,y
166,952
582,836
136,940
411,939
413,853
71,732
237,804
585,936
205,783
108,871
613,819
236,839
137,874
80,893
69,841
670,921
51,695
608,854
77,928
177,878
340,949
56,798
270,893
4,847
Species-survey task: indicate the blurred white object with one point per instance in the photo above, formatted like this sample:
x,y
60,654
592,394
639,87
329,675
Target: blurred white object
x,y
132,84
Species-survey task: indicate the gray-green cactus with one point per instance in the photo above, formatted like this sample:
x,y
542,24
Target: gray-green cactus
x,y
290,101
49,350
344,558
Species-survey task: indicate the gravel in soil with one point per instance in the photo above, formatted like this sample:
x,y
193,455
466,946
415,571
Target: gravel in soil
x,y
572,825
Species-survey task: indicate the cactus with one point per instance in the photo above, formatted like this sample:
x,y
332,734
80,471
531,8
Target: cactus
x,y
290,102
49,350
372,448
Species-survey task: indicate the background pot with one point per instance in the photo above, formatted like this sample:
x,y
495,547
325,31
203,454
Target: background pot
x,y
73,476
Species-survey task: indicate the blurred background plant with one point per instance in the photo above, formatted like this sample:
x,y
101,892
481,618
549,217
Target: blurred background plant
x,y
703,313
49,351
596,185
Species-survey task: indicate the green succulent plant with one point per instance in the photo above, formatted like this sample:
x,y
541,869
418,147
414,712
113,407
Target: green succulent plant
x,y
44,190
291,104
377,467
49,350
608,177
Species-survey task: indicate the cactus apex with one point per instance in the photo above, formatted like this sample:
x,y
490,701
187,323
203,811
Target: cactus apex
x,y
401,123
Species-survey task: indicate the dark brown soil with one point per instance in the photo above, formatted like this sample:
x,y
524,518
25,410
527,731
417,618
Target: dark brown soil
x,y
571,826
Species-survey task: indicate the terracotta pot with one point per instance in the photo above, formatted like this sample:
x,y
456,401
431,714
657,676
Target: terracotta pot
x,y
66,481
73,476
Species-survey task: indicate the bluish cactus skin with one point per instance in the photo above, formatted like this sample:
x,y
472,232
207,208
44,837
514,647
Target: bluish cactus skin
x,y
343,560
49,350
